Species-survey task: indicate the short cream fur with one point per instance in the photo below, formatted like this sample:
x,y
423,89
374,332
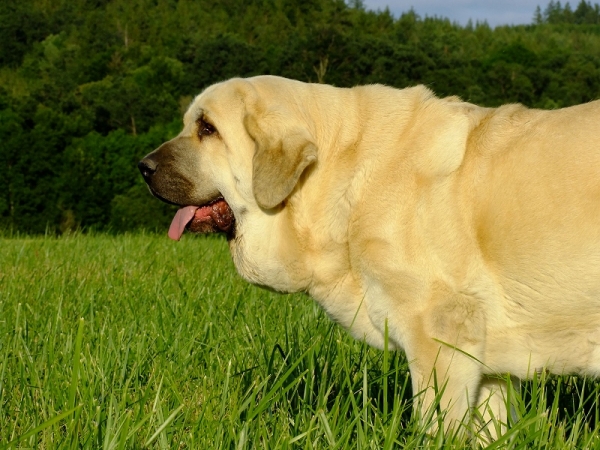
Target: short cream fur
x,y
474,233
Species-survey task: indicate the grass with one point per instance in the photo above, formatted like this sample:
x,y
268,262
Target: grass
x,y
134,341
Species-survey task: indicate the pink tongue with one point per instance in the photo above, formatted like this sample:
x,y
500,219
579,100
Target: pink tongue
x,y
181,219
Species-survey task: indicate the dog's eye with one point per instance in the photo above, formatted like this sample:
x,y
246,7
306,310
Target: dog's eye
x,y
205,128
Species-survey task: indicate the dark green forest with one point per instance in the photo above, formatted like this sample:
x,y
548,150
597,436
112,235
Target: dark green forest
x,y
87,87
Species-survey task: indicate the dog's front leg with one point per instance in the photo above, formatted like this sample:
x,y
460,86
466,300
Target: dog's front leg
x,y
445,348
493,407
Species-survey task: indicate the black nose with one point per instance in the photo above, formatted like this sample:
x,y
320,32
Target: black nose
x,y
147,167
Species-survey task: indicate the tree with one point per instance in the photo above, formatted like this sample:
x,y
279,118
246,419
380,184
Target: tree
x,y
538,18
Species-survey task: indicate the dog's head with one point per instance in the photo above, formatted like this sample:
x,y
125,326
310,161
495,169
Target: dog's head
x,y
242,150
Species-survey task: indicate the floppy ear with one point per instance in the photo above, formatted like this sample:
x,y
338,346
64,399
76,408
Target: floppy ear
x,y
283,151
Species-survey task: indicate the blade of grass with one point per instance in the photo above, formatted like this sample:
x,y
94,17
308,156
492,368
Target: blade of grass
x,y
164,425
76,364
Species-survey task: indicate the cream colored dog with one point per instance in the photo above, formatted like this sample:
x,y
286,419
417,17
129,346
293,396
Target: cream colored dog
x,y
474,233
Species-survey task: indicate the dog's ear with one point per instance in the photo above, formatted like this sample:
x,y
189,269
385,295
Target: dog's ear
x,y
284,149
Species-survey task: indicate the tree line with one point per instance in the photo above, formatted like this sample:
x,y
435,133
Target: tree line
x,y
87,87
585,13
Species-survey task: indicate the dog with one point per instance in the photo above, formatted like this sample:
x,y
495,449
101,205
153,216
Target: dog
x,y
471,234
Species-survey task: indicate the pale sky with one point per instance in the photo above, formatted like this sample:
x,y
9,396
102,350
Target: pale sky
x,y
496,12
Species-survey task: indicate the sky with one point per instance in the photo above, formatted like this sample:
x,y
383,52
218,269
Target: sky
x,y
495,12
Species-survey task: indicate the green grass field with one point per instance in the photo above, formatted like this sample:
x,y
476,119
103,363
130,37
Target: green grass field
x,y
135,341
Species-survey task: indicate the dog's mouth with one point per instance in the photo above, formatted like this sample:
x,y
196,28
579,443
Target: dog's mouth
x,y
213,217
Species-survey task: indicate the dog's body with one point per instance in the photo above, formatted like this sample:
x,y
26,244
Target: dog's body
x,y
473,232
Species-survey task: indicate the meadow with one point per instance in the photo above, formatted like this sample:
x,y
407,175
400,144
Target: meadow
x,y
135,341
